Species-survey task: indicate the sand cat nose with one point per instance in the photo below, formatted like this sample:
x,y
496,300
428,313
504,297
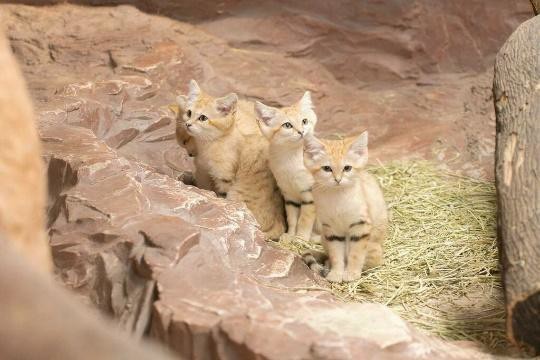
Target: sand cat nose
x,y
301,133
338,180
188,125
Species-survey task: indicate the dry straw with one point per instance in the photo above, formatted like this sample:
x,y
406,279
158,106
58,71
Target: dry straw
x,y
441,265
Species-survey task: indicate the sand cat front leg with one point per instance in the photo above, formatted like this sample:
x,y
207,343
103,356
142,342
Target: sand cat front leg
x,y
292,210
335,246
223,176
358,238
307,217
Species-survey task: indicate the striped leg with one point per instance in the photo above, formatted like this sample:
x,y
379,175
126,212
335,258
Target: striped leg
x,y
292,209
358,250
335,246
306,220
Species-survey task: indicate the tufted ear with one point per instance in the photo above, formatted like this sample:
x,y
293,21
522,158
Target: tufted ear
x,y
181,101
194,91
313,150
358,150
227,104
305,102
266,114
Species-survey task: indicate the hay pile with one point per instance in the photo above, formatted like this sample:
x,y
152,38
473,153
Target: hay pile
x,y
441,269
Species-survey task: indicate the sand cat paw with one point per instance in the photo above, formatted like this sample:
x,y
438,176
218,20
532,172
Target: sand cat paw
x,y
351,275
334,276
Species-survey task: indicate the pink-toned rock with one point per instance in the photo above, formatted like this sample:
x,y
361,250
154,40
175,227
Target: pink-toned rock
x,y
193,270
40,320
416,74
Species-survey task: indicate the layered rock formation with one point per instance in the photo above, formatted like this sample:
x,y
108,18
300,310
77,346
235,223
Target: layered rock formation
x,y
39,319
193,270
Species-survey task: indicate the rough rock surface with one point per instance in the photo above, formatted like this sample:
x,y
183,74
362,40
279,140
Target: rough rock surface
x,y
40,320
417,74
129,237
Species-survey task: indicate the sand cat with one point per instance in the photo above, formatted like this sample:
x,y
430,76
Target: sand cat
x,y
349,203
210,122
218,127
23,190
286,128
232,155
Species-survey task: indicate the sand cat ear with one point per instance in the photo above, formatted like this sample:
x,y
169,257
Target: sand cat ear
x,y
305,102
227,104
181,101
313,149
359,149
194,91
266,114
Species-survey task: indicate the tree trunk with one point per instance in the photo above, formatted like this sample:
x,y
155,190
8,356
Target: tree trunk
x,y
517,104
536,6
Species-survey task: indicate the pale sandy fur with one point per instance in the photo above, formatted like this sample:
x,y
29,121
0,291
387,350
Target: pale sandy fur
x,y
232,158
256,187
285,128
218,160
23,190
353,209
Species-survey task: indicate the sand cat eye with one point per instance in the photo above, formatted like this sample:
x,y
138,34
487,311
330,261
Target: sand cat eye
x,y
327,168
304,121
188,113
347,168
287,125
203,118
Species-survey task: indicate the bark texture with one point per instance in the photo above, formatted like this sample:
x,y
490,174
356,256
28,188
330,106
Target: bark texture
x,y
517,106
536,6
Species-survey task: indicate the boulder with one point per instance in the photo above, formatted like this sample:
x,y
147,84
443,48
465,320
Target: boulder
x,y
120,229
192,270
